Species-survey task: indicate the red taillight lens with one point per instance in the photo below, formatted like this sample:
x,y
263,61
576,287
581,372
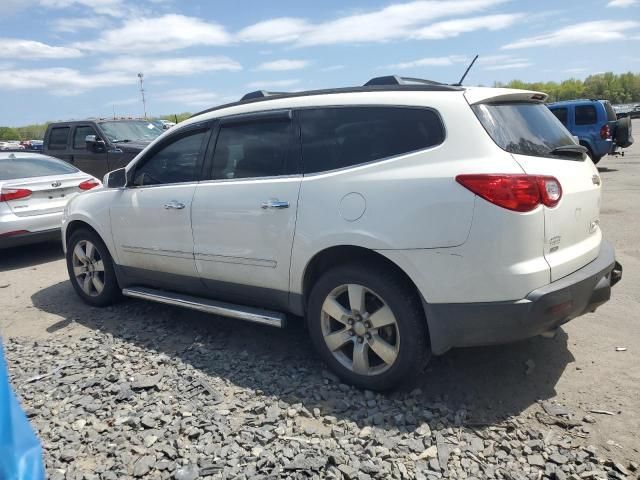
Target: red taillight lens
x,y
88,184
520,193
605,132
13,194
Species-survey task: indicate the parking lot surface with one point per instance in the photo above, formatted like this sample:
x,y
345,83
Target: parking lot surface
x,y
145,390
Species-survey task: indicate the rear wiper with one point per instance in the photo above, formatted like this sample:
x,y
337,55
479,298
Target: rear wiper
x,y
569,150
126,140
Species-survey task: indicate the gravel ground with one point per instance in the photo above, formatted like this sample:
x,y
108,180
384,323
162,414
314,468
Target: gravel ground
x,y
140,390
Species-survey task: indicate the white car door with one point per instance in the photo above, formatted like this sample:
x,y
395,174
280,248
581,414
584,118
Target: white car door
x,y
151,218
244,216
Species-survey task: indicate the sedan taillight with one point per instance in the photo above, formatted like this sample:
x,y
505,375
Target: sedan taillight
x,y
520,193
88,184
7,194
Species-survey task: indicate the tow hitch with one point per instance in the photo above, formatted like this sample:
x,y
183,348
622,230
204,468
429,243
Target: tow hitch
x,y
616,273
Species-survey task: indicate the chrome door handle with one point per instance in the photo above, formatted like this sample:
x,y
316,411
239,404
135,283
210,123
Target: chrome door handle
x,y
173,205
275,204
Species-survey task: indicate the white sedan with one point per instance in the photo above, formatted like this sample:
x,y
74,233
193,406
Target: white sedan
x,y
34,190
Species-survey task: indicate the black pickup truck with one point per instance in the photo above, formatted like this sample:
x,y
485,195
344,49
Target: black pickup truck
x,y
98,146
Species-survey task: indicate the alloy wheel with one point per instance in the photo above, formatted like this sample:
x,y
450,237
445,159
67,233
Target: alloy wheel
x,y
360,329
88,268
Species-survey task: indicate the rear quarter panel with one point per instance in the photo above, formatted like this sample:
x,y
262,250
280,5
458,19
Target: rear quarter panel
x,y
408,202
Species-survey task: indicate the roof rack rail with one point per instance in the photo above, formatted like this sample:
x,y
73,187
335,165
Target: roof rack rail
x,y
260,94
397,80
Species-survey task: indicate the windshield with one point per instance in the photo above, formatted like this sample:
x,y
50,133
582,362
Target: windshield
x,y
523,128
27,167
130,131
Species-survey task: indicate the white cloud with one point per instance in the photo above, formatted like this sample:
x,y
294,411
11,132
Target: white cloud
x,y
283,65
178,66
503,62
72,25
114,8
61,81
509,66
396,21
267,84
159,34
622,3
579,33
277,30
453,28
429,62
16,48
192,97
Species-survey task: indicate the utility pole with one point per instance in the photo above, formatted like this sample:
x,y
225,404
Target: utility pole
x,y
144,103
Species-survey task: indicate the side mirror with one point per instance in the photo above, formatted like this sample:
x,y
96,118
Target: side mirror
x,y
116,178
94,143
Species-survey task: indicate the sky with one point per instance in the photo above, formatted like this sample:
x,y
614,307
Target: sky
x,y
74,59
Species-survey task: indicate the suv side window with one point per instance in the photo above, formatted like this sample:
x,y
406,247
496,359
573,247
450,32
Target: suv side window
x,y
586,115
58,138
175,162
250,150
338,137
561,114
79,135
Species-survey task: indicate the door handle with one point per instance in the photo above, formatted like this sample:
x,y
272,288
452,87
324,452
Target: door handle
x,y
173,205
275,204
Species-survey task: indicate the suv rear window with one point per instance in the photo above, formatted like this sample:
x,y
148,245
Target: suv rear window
x,y
338,137
58,138
611,113
523,128
586,115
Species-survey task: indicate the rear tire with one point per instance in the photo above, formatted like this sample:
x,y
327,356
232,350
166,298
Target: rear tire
x,y
380,339
91,269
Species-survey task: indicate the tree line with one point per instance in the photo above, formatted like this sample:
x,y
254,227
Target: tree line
x,y
617,88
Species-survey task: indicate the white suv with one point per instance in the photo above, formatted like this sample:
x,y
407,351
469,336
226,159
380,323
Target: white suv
x,y
399,218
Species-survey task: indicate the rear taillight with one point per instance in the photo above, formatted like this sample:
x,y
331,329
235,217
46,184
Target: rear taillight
x,y
520,193
7,194
605,132
88,184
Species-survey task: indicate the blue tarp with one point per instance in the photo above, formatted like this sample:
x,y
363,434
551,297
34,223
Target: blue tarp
x,y
20,452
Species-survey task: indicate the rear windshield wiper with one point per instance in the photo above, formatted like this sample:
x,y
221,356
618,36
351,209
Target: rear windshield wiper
x,y
126,140
569,150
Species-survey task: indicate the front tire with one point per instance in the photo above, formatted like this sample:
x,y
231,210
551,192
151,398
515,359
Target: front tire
x,y
368,325
91,270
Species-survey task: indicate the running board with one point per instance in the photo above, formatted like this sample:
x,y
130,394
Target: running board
x,y
256,315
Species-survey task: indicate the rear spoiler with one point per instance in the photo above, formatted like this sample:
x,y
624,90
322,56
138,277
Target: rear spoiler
x,y
498,95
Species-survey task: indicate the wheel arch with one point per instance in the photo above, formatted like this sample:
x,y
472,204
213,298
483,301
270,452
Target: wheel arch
x,y
330,257
77,224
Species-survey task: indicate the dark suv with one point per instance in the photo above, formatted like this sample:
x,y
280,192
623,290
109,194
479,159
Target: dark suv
x,y
99,146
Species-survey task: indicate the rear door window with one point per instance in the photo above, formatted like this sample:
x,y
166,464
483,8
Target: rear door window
x,y
79,136
58,138
561,114
586,115
254,149
523,128
339,137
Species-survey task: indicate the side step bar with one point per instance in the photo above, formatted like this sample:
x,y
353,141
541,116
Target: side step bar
x,y
256,315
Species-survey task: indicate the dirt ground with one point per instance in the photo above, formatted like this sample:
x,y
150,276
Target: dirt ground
x,y
580,368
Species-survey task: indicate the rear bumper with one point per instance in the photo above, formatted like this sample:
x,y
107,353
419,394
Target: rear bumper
x,y
30,238
544,309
